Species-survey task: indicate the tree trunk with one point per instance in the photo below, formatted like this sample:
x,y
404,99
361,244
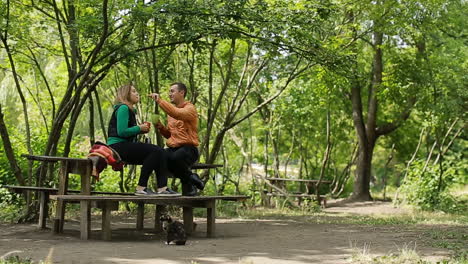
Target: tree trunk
x,y
361,190
384,178
92,138
326,157
101,117
367,133
276,158
9,150
4,40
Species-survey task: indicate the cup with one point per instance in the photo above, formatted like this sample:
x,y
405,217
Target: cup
x,y
154,118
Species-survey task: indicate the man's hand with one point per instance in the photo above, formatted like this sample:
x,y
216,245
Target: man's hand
x,y
155,96
159,125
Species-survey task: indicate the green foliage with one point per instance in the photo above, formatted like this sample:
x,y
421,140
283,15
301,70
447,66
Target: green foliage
x,y
16,260
11,205
154,43
429,190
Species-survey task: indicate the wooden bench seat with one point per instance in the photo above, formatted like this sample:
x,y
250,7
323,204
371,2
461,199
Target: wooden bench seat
x,y
311,185
44,196
20,189
322,202
108,203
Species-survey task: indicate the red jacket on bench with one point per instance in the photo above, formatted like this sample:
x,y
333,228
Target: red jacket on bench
x,y
102,155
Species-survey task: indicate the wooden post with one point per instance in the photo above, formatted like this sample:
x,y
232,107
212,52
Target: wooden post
x,y
188,219
324,202
268,198
308,185
157,217
86,179
299,200
85,206
140,216
210,218
106,221
85,220
62,189
43,209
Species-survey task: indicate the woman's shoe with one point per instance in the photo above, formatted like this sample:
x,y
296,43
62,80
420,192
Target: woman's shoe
x,y
145,191
195,179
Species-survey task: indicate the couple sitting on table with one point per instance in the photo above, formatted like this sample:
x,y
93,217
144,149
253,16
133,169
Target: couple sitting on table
x,y
182,140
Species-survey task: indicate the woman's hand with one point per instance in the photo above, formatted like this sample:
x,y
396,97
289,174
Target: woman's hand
x,y
145,127
155,96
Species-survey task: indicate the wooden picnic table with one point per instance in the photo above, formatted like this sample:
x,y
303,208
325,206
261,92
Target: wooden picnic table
x,y
109,203
310,185
83,167
44,194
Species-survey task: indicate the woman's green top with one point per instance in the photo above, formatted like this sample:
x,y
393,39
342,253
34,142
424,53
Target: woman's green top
x,y
122,126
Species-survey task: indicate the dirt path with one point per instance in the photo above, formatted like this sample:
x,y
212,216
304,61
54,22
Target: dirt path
x,y
287,240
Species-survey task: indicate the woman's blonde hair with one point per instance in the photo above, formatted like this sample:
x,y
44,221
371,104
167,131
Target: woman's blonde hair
x,y
123,95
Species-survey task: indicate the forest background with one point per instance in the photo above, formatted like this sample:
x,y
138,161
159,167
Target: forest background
x,y
371,95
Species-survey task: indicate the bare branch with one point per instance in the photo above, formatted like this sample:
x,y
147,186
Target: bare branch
x,y
390,127
10,153
293,76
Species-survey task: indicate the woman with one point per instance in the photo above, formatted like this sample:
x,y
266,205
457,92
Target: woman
x,y
122,134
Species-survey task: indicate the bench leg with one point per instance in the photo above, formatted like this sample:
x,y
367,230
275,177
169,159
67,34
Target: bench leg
x,y
85,206
324,202
59,217
210,218
299,201
106,222
43,209
85,221
62,189
160,209
188,219
140,216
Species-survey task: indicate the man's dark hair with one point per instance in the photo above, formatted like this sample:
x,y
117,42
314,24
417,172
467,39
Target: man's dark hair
x,y
181,87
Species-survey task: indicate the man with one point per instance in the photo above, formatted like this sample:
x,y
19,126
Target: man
x,y
182,136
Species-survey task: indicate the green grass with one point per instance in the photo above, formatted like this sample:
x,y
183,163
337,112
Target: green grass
x,y
439,230
314,214
15,260
19,260
454,240
415,218
405,255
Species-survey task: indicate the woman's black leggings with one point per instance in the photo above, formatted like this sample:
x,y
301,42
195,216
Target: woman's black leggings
x,y
152,157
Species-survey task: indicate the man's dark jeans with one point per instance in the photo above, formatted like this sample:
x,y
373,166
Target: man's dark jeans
x,y
179,161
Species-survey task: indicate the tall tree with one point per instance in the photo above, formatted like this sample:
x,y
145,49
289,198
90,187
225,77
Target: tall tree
x,y
377,117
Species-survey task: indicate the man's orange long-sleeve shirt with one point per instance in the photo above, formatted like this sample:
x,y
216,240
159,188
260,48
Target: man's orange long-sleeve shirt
x,y
182,124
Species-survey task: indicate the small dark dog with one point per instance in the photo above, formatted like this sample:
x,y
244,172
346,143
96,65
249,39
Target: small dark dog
x,y
175,230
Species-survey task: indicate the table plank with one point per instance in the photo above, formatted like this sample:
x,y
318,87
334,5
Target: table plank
x,y
55,190
135,198
296,180
53,158
195,166
199,166
303,195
